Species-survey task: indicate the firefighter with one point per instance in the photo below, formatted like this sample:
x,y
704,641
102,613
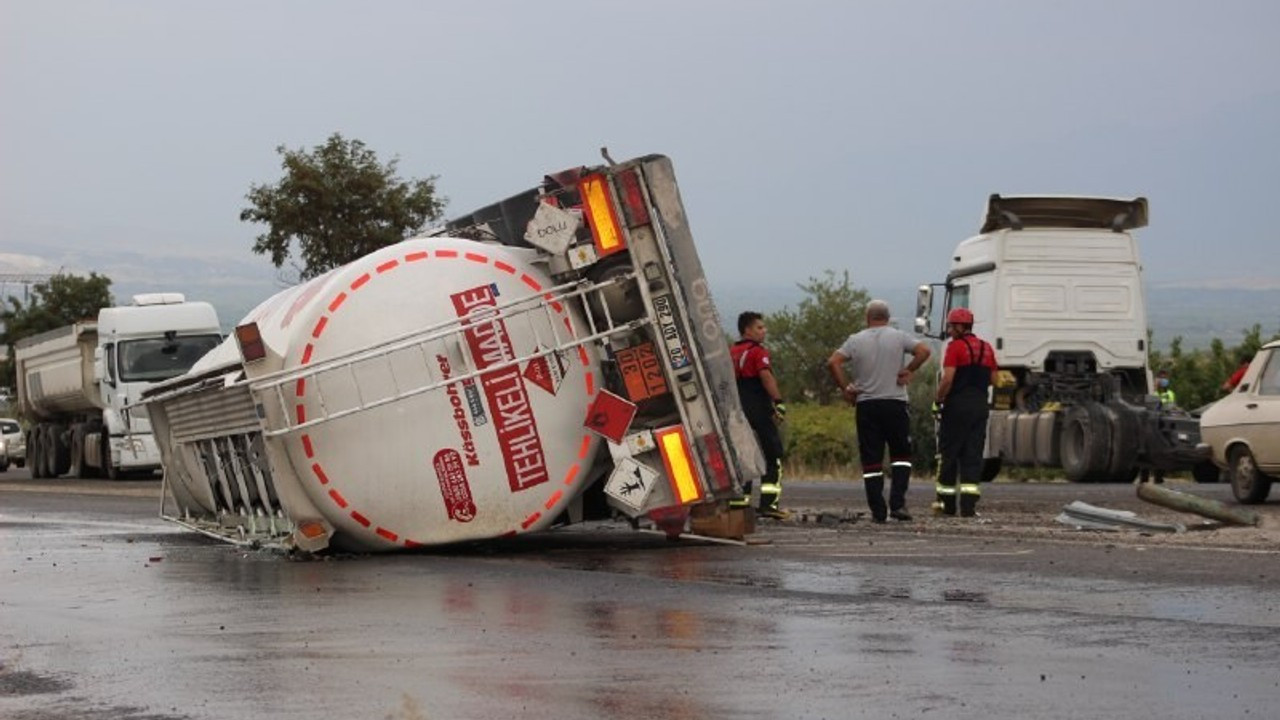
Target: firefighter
x,y
968,370
762,403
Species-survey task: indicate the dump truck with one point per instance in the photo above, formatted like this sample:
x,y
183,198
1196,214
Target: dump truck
x,y
551,358
76,383
1055,285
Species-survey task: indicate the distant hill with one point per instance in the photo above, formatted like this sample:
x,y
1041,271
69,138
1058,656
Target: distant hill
x,y
235,285
1198,315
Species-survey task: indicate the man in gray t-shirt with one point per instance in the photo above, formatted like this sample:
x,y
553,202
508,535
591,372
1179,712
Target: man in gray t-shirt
x,y
879,390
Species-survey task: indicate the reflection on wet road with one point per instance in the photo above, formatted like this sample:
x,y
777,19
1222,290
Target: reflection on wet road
x,y
119,617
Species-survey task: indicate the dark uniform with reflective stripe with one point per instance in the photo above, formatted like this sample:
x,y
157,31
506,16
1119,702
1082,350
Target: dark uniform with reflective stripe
x,y
963,430
749,359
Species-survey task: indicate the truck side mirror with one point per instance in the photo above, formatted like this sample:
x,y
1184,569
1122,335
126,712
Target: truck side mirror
x,y
924,308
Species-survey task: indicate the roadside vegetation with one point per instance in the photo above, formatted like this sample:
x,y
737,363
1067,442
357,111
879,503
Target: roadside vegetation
x,y
61,300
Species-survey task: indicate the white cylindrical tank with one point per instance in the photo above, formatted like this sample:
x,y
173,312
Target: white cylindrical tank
x,y
365,424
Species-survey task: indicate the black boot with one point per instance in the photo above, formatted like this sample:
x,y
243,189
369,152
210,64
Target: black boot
x,y
875,498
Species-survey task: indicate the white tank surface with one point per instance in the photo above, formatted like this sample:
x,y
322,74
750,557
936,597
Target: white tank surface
x,y
364,427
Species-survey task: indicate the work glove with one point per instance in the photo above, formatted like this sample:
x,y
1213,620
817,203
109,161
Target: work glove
x,y
780,409
936,410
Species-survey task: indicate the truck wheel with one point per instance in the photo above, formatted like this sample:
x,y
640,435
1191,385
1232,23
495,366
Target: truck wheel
x,y
1124,444
1248,483
49,443
4,466
36,453
1206,472
77,452
1086,443
59,442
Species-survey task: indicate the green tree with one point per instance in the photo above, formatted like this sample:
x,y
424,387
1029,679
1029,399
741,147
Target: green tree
x,y
1196,376
61,300
801,340
338,202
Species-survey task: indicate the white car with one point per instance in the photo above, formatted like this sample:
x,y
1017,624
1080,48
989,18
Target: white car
x,y
15,442
1243,428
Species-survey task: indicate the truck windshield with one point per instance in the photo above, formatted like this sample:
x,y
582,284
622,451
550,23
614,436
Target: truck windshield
x,y
156,359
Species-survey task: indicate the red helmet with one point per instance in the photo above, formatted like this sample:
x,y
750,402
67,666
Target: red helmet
x,y
960,316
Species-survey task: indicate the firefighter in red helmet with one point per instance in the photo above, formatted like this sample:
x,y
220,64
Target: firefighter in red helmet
x,y
968,370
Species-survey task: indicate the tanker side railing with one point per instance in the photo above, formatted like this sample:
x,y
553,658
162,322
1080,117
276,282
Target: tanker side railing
x,y
599,327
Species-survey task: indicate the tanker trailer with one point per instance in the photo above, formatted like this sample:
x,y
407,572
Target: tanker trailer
x,y
76,383
551,358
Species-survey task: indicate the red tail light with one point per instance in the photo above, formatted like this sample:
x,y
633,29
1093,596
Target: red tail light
x,y
601,215
634,208
252,347
709,445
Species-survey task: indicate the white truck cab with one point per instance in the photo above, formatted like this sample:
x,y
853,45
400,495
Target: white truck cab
x,y
1055,285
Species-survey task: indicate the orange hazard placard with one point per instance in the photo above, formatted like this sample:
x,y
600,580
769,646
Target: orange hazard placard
x,y
610,416
641,372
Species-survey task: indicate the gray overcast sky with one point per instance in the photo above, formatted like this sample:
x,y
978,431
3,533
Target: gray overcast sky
x,y
807,135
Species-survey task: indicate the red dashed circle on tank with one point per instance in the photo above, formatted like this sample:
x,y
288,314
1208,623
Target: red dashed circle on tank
x,y
335,305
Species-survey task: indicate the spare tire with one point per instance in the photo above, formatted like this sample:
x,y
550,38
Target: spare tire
x,y
1085,443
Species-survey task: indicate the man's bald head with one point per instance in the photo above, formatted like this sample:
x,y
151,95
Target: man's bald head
x,y
877,312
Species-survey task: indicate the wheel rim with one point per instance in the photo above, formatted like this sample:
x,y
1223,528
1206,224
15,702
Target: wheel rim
x,y
1246,472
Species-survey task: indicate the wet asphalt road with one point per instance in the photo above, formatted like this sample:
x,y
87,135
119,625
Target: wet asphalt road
x,y
106,612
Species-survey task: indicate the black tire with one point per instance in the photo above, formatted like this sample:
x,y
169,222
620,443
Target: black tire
x,y
35,451
60,440
1206,472
4,466
78,467
990,469
1248,484
49,442
1124,444
1085,443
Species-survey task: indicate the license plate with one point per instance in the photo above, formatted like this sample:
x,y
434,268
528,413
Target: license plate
x,y
677,355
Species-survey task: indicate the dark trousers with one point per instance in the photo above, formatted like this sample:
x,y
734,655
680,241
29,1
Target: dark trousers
x,y
882,422
961,436
770,440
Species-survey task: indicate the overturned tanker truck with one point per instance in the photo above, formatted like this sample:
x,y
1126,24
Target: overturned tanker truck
x,y
551,358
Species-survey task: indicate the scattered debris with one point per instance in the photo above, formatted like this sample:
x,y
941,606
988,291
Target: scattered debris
x,y
1084,516
1185,502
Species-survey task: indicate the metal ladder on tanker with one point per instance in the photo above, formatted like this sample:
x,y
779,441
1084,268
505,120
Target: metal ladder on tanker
x,y
564,337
